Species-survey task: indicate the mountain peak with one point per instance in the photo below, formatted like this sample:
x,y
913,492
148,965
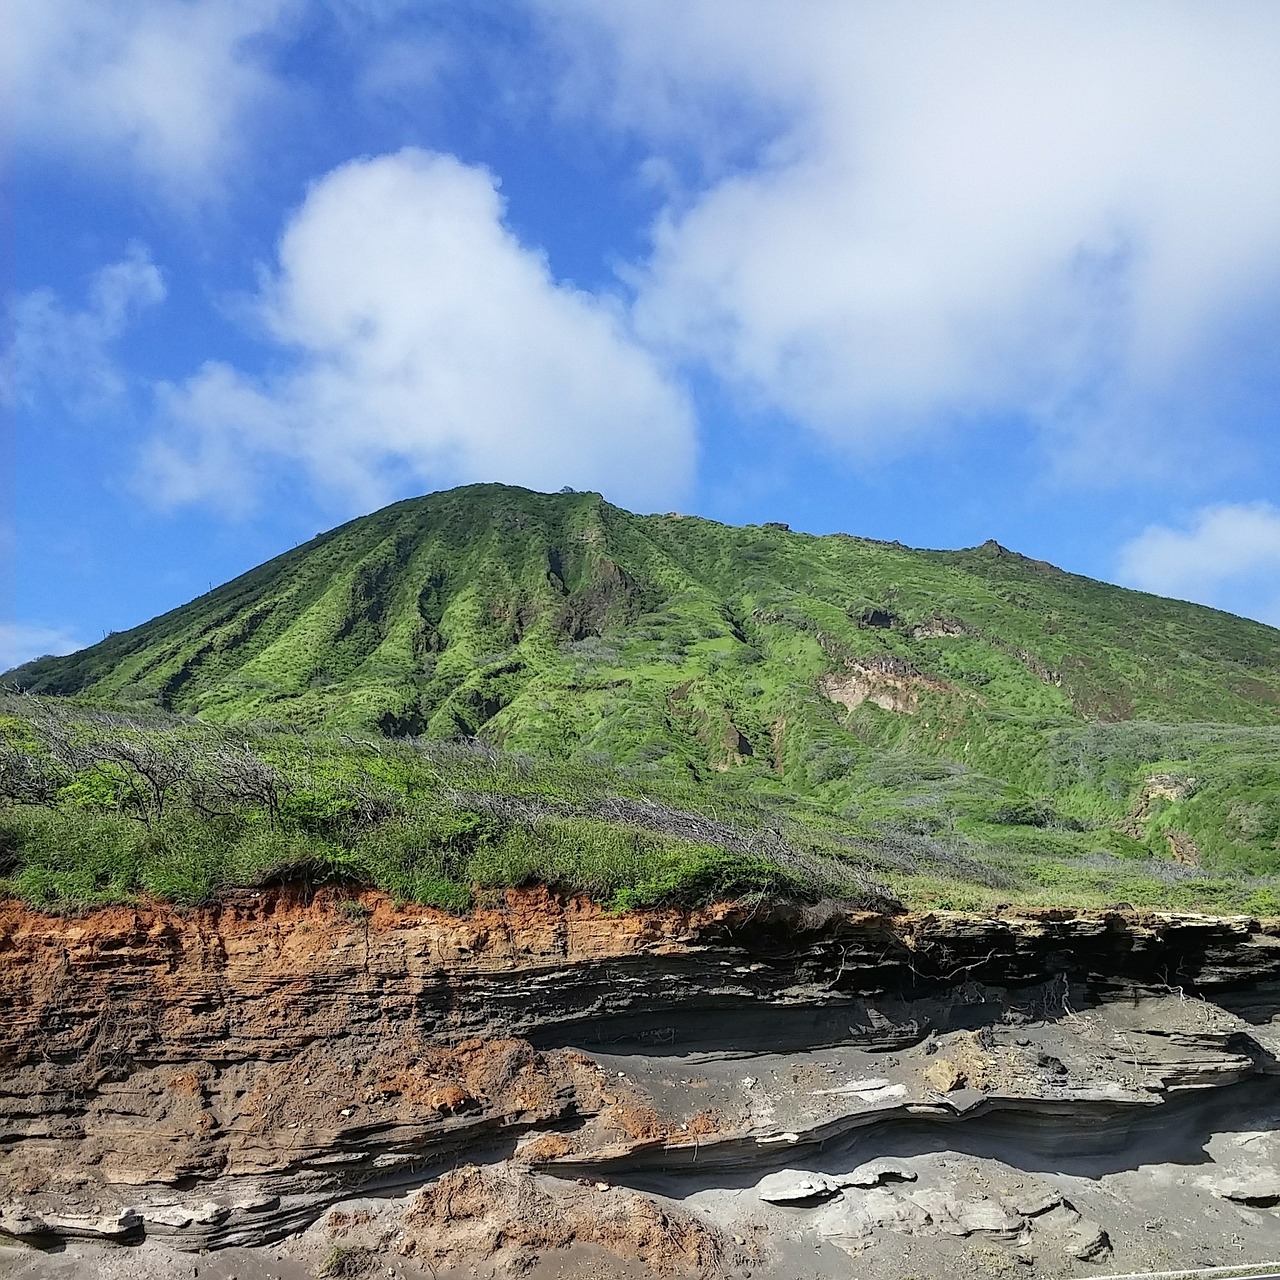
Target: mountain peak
x,y
474,610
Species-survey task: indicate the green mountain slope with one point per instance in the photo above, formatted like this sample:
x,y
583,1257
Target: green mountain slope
x,y
975,691
464,607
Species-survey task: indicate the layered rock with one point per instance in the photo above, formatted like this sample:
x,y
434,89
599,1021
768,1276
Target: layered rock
x,y
221,1076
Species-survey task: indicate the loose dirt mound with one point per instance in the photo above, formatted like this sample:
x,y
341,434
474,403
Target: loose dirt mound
x,y
511,1218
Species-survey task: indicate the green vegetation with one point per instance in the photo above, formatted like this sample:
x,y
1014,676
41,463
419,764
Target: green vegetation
x,y
102,807
489,686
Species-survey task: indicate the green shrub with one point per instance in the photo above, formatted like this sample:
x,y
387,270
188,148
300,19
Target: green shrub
x,y
431,822
419,859
319,810
72,858
101,788
1122,846
347,1262
696,874
1263,902
1033,813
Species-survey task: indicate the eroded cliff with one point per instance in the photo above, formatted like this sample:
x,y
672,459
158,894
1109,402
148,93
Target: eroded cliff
x,y
223,1077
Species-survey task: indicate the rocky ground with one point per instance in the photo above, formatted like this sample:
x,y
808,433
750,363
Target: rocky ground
x,y
294,1086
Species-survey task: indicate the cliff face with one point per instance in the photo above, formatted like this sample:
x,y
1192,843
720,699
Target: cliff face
x,y
222,1076
264,976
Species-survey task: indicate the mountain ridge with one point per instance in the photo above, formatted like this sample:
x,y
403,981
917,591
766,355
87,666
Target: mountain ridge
x,y
602,569
372,839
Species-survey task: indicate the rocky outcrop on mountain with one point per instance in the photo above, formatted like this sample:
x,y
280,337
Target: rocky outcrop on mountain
x,y
888,682
1159,787
221,1077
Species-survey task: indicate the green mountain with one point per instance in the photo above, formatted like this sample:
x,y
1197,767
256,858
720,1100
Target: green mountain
x,y
973,691
468,610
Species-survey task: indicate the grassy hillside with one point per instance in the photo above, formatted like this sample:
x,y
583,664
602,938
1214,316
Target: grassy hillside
x,y
1065,732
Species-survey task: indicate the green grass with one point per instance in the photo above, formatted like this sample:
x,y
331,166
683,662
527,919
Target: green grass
x,y
428,825
597,656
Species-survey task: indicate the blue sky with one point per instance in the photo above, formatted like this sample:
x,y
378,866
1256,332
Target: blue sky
x,y
935,272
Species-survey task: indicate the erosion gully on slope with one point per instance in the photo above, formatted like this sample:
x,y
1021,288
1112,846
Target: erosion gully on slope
x,y
291,1083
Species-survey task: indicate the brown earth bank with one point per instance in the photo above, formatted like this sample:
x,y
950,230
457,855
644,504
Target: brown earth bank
x,y
544,1084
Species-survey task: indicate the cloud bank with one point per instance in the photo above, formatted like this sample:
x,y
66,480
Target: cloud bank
x,y
1228,556
881,221
953,212
422,344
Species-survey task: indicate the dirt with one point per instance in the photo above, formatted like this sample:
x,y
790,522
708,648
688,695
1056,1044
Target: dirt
x,y
1158,787
511,1217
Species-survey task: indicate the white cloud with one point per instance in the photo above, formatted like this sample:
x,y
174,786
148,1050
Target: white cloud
x,y
426,345
166,84
1229,556
20,642
65,355
990,208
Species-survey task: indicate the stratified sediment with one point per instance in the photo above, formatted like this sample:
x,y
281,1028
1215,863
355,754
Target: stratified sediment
x,y
226,1077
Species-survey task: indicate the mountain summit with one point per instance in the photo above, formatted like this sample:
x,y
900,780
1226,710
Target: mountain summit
x,y
559,620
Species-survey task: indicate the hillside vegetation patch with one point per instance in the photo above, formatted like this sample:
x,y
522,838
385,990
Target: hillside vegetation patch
x,y
97,806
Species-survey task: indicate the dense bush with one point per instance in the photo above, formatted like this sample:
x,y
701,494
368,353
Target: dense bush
x,y
1034,813
100,806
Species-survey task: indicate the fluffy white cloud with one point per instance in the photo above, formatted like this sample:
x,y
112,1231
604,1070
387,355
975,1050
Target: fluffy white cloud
x,y
65,355
167,84
1229,556
20,642
997,207
424,344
